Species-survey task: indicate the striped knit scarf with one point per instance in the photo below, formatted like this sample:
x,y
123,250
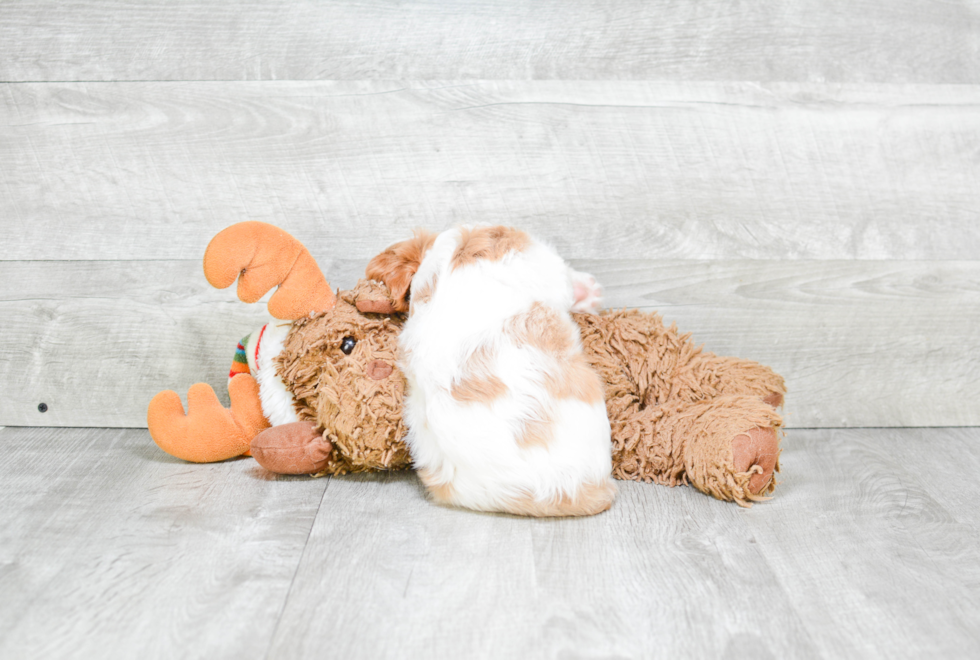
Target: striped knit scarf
x,y
240,363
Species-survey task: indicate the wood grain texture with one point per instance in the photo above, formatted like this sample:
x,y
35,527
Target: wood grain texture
x,y
812,40
874,541
860,343
960,465
96,340
852,558
616,169
663,570
109,548
878,344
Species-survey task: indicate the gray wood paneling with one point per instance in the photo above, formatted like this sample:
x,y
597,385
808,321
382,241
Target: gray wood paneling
x,y
602,169
891,343
96,340
109,548
811,40
861,343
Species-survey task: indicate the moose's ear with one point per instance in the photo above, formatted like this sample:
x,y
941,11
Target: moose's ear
x,y
398,264
373,297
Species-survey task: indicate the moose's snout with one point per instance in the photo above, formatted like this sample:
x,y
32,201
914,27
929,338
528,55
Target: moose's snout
x,y
378,370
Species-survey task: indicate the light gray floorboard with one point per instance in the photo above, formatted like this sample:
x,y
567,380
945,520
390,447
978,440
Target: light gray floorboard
x,y
852,558
664,570
860,343
609,169
877,543
109,548
816,40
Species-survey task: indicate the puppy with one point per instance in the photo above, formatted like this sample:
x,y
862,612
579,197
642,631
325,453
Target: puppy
x,y
504,412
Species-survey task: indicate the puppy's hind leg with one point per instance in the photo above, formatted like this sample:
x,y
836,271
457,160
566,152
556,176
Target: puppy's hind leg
x,y
586,292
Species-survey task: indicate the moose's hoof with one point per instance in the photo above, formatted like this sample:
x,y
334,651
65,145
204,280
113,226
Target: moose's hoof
x,y
756,447
294,448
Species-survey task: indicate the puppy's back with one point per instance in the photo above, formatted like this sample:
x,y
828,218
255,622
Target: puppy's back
x,y
505,413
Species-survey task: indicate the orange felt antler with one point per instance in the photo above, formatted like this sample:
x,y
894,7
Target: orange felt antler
x,y
262,256
208,432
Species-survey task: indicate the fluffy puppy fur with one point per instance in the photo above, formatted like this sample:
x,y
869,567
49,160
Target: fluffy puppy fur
x,y
504,412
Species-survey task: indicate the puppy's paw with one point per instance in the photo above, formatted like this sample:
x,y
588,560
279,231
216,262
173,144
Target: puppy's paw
x,y
587,294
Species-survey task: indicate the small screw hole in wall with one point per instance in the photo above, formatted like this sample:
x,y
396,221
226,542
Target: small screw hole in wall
x,y
43,407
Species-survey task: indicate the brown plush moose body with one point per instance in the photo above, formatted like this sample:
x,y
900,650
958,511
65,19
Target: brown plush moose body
x,y
322,392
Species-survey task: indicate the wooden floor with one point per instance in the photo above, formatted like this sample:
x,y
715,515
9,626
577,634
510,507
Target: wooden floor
x,y
111,549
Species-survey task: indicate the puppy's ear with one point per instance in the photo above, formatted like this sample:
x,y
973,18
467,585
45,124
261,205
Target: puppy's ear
x,y
398,264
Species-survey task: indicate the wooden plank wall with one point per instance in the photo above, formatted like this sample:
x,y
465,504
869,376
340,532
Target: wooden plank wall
x,y
795,184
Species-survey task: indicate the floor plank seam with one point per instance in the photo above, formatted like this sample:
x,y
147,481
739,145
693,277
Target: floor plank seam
x,y
292,581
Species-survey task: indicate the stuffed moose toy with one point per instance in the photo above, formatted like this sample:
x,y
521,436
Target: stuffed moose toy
x,y
322,390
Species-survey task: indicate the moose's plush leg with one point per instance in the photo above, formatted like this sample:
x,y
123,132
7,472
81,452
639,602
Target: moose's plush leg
x,y
733,431
682,415
646,363
727,447
731,447
208,432
757,447
727,375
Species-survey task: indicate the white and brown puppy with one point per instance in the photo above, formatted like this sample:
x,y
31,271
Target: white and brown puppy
x,y
504,412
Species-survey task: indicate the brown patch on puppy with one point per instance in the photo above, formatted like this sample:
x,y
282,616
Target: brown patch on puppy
x,y
490,243
542,328
479,384
591,498
423,294
575,379
398,264
441,492
536,432
478,390
480,360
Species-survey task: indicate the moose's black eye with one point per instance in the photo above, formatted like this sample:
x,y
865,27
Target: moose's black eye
x,y
347,345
